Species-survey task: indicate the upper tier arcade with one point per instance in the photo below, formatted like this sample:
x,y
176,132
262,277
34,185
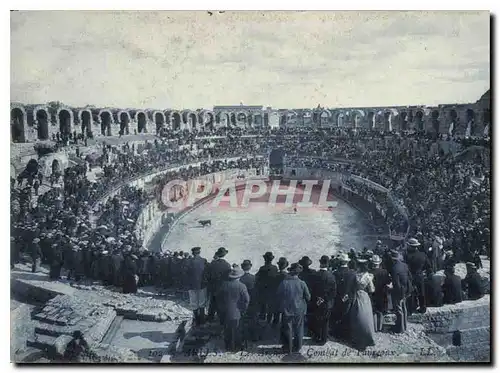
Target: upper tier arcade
x,y
40,122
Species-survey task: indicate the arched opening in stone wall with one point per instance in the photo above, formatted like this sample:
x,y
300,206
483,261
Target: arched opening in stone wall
x,y
222,119
387,124
191,121
411,118
435,121
208,121
341,120
17,119
124,123
241,120
56,167
86,119
141,122
403,121
471,119
64,122
371,120
324,119
419,120
106,120
486,116
176,121
159,121
42,120
258,120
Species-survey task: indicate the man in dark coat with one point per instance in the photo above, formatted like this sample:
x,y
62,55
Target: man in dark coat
x,y
346,291
293,295
14,252
308,275
129,273
249,322
265,284
233,300
472,283
196,284
418,262
323,290
380,297
401,280
452,287
218,271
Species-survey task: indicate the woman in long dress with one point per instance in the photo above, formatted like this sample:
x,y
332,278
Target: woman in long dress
x,y
362,329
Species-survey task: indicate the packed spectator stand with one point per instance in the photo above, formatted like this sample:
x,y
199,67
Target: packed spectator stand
x,y
446,199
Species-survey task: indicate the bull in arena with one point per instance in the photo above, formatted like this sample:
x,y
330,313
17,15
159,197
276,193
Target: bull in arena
x,y
205,222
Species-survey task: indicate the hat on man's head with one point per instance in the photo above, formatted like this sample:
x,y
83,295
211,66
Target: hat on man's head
x,y
282,263
246,265
413,242
196,250
324,260
376,259
470,265
395,254
305,261
295,269
268,256
344,258
221,252
236,272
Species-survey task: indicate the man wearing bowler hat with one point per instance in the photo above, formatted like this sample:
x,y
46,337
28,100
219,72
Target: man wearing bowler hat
x,y
249,321
217,273
323,293
233,300
265,282
293,296
195,270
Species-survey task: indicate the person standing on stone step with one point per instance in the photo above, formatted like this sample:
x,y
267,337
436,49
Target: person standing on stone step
x,y
196,283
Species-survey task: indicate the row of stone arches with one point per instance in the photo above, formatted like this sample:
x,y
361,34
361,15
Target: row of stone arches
x,y
390,119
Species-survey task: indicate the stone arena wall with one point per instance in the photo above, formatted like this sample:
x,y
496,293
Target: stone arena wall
x,y
463,329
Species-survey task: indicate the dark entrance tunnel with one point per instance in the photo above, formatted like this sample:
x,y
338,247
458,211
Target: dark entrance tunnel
x,y
17,125
42,119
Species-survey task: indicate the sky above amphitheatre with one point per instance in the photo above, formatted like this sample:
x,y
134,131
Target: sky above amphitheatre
x,y
280,59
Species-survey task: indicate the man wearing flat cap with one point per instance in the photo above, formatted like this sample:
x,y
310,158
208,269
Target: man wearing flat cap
x,y
323,291
265,283
293,296
195,270
232,300
217,272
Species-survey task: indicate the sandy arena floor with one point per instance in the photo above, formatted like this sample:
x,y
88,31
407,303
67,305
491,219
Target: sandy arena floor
x,y
249,232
